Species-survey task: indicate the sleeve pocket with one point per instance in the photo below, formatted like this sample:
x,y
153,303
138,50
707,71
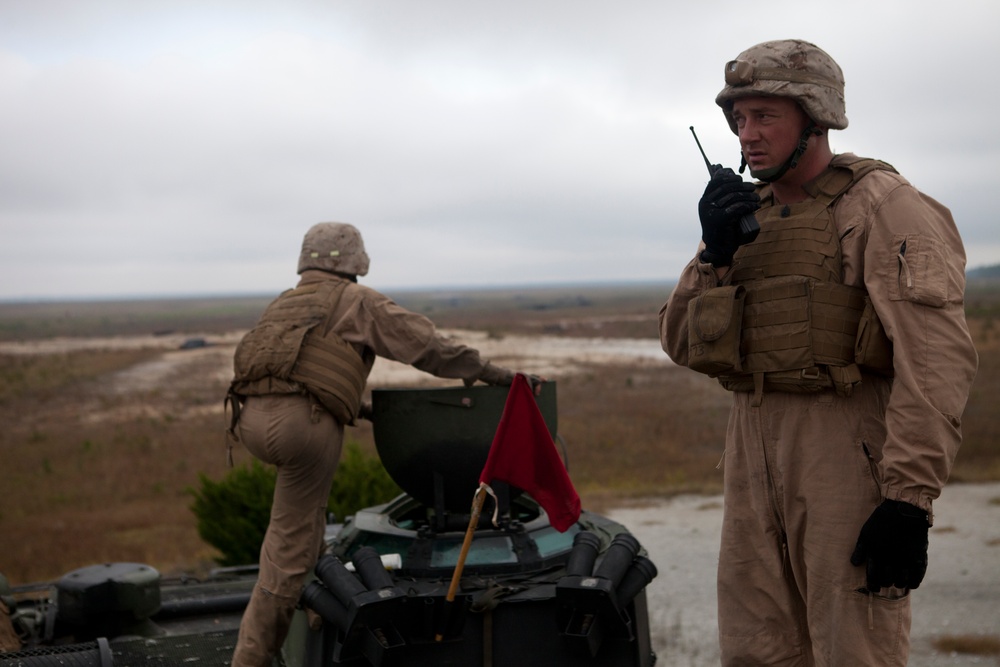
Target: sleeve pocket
x,y
920,268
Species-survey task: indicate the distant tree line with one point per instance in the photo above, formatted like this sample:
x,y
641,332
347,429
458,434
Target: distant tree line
x,y
984,273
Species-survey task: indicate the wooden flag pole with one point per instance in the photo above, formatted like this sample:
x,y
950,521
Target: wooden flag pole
x,y
477,509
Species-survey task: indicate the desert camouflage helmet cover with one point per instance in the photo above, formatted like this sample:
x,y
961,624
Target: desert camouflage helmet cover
x,y
788,68
334,246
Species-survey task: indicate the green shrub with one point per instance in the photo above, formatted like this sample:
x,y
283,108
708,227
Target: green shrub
x,y
232,514
361,481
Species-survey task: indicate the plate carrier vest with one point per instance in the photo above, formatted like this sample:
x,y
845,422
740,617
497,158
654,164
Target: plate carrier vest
x,y
291,351
801,329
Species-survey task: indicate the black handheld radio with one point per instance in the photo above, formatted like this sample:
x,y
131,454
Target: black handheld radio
x,y
749,228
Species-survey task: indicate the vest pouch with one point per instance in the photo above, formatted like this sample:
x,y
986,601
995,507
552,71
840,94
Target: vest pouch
x,y
291,350
714,324
872,348
845,378
270,349
333,372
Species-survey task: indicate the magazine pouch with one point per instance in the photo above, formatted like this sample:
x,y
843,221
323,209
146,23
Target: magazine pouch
x,y
714,323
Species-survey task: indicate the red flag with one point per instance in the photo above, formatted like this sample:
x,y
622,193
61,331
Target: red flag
x,y
524,455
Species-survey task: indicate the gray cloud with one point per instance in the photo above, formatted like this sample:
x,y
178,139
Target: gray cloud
x,y
170,147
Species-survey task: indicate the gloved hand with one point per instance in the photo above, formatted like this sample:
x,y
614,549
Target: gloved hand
x,y
727,198
893,546
493,374
498,375
536,382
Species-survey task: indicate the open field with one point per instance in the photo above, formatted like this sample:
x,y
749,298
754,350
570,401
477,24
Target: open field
x,y
107,423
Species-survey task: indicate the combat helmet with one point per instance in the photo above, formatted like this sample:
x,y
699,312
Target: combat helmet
x,y
335,247
788,68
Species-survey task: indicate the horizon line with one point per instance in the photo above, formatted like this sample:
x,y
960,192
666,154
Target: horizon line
x,y
29,299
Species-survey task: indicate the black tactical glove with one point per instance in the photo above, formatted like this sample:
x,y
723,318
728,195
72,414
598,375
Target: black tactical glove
x,y
727,198
893,546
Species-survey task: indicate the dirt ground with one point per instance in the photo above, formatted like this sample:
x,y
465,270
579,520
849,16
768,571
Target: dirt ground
x,y
960,596
548,356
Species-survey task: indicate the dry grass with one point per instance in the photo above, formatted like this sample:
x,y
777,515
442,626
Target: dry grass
x,y
968,644
80,490
979,458
91,475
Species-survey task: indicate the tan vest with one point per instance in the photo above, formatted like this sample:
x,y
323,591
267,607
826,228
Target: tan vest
x,y
290,351
801,329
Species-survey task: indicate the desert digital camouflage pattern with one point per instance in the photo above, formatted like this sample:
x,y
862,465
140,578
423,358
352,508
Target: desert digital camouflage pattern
x,y
788,68
334,246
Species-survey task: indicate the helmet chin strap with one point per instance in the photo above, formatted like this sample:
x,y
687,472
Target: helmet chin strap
x,y
774,173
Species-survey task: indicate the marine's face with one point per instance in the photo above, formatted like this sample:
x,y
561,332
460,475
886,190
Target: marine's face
x,y
769,129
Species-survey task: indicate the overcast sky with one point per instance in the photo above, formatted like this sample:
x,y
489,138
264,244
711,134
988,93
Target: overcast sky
x,y
175,147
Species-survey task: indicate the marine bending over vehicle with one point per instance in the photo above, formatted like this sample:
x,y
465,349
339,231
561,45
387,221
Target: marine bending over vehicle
x,y
299,375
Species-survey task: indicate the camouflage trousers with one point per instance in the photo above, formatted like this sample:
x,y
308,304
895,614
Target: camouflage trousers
x,y
303,441
801,477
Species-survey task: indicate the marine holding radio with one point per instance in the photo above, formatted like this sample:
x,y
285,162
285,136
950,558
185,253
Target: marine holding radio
x,y
840,330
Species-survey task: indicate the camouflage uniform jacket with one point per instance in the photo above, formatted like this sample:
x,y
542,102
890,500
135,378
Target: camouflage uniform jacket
x,y
375,326
378,326
904,249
